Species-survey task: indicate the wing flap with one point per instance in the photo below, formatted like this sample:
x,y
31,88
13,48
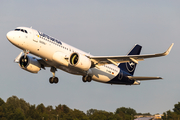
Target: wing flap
x,y
140,78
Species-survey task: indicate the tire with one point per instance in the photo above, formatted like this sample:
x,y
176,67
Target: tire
x,y
89,78
84,78
56,80
51,80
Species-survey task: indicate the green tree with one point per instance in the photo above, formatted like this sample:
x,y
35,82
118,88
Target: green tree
x,y
177,108
18,114
1,102
24,105
164,117
2,109
144,114
175,115
94,114
91,112
32,113
128,111
2,112
79,115
125,113
171,115
62,112
41,108
12,103
65,109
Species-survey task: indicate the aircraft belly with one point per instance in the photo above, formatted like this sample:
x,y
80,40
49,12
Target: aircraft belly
x,y
101,76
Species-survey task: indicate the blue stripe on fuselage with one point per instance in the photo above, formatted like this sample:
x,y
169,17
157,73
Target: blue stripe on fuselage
x,y
122,78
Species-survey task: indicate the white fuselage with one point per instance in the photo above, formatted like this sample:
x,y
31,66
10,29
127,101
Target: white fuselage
x,y
45,47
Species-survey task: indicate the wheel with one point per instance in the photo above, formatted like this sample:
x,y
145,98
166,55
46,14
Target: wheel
x,y
89,78
56,80
51,80
84,78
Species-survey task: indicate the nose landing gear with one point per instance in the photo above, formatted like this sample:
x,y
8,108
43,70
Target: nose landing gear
x,y
53,79
25,53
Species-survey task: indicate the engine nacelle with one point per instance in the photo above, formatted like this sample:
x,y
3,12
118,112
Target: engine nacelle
x,y
80,61
30,64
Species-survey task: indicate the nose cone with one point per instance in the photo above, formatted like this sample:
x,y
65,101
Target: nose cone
x,y
10,36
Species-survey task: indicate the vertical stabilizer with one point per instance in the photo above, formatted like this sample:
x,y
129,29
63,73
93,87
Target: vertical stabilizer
x,y
130,67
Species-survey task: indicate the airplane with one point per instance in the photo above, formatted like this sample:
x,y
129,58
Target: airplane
x,y
56,54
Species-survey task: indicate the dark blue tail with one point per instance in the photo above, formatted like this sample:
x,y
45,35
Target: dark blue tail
x,y
129,67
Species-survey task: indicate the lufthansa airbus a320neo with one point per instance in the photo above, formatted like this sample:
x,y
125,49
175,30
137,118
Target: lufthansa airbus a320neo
x,y
56,54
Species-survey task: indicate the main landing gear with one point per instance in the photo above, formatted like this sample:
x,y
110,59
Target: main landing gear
x,y
86,78
53,79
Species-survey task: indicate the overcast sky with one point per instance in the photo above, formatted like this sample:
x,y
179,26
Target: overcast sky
x,y
101,27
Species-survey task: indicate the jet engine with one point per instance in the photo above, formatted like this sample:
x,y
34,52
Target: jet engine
x,y
30,64
80,61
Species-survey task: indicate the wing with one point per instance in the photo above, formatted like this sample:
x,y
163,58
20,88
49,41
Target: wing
x,y
100,60
143,78
43,63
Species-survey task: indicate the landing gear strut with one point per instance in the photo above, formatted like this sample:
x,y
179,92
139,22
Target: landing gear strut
x,y
25,53
53,79
86,78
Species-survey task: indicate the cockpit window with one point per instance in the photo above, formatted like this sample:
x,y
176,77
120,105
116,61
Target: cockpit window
x,y
17,29
22,30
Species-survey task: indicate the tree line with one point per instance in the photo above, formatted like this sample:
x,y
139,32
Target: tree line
x,y
172,115
18,109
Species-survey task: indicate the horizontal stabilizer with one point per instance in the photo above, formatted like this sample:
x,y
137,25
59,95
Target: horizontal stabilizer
x,y
143,78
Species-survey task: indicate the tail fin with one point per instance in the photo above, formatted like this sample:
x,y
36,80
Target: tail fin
x,y
129,67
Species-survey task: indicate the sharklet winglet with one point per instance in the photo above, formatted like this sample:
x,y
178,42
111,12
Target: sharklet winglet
x,y
168,50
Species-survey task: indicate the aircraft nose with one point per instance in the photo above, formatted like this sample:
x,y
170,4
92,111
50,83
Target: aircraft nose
x,y
10,36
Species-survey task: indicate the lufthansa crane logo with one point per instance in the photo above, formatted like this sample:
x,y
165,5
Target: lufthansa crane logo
x,y
130,66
